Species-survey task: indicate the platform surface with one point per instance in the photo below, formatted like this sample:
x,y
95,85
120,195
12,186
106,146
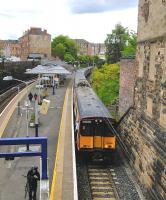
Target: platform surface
x,y
57,127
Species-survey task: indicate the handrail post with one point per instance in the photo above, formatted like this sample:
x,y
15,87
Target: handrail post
x,y
44,159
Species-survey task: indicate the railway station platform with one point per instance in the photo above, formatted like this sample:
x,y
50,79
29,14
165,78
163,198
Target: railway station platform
x,y
57,126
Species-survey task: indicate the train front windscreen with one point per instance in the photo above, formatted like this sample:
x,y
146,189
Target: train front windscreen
x,y
96,127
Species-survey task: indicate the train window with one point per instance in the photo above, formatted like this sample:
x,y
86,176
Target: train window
x,y
95,128
86,128
98,128
107,130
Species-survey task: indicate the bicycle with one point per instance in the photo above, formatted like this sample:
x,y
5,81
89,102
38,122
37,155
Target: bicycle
x,y
26,187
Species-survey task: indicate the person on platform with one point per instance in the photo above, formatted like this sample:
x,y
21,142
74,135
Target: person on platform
x,y
30,96
35,96
32,177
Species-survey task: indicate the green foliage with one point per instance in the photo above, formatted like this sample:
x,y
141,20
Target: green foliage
x,y
69,47
86,60
105,82
119,42
98,62
59,50
130,48
68,57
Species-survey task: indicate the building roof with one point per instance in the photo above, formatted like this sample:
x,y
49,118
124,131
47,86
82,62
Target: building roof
x,y
81,41
48,69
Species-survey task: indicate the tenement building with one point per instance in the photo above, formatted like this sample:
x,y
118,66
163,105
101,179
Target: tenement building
x,y
91,49
84,47
1,47
11,48
143,130
35,43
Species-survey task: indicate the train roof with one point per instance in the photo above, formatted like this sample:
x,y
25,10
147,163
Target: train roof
x,y
80,75
88,102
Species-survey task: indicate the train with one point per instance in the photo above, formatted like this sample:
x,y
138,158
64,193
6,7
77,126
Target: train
x,y
94,125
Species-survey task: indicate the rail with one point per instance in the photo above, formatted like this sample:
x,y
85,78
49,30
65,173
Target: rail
x,y
102,184
8,95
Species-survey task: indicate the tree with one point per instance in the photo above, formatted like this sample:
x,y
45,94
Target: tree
x,y
59,51
82,59
98,61
69,45
130,48
69,58
105,82
117,41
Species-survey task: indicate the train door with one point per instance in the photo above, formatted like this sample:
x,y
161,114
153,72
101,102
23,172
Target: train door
x,y
97,139
86,136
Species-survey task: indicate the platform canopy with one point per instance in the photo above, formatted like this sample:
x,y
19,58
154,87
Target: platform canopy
x,y
48,69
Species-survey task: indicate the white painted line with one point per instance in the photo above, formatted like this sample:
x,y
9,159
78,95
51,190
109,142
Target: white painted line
x,y
44,185
73,155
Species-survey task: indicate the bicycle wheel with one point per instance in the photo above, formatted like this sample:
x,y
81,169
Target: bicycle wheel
x,y
26,190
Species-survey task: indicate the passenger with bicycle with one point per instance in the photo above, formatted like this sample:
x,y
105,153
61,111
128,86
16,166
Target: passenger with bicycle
x,y
32,177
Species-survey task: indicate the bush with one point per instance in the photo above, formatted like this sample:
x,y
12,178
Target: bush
x,y
105,82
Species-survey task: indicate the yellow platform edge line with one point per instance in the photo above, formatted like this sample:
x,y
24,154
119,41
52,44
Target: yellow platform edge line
x,y
52,193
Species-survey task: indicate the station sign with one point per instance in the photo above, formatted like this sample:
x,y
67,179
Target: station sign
x,y
44,107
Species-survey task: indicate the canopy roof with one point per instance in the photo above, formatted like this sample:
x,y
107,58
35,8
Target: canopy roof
x,y
48,68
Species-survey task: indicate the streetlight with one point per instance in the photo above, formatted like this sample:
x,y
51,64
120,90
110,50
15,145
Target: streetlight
x,y
10,78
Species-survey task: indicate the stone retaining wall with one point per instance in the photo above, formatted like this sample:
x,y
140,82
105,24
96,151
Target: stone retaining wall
x,y
143,130
145,141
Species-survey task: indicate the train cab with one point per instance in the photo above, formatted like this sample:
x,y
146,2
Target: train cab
x,y
95,134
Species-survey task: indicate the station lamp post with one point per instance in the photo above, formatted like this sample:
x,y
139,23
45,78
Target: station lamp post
x,y
10,78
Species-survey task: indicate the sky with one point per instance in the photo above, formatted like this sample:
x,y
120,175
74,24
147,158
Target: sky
x,y
91,20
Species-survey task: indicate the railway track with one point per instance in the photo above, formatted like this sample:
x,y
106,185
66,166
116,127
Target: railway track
x,y
102,181
9,94
6,101
6,97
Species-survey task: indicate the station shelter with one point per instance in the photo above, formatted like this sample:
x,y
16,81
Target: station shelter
x,y
49,73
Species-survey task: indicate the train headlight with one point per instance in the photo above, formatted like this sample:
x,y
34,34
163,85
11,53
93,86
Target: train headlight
x,y
86,146
108,146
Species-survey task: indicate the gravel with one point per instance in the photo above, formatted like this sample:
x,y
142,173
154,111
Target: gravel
x,y
125,186
82,180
